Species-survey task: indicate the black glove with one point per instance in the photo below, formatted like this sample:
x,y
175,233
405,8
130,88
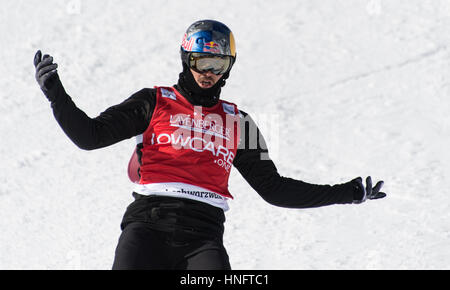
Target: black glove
x,y
46,74
363,193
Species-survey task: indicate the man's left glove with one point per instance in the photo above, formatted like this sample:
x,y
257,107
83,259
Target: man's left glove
x,y
46,73
368,192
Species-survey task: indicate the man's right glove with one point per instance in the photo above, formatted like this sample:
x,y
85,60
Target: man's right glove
x,y
46,74
363,193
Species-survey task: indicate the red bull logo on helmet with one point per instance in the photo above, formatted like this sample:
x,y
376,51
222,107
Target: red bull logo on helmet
x,y
209,42
211,46
187,44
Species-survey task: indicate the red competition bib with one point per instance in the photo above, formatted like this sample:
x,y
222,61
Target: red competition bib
x,y
189,144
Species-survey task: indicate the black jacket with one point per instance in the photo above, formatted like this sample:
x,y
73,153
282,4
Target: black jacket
x,y
132,117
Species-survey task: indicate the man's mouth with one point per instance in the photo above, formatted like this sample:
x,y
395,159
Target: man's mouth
x,y
206,83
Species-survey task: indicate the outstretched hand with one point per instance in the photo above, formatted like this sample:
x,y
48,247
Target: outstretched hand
x,y
367,192
46,72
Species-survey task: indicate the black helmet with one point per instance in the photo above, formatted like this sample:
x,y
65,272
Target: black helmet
x,y
209,37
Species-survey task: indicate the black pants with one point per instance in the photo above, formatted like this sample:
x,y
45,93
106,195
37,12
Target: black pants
x,y
171,233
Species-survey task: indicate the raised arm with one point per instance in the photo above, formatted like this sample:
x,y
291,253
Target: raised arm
x,y
117,123
253,162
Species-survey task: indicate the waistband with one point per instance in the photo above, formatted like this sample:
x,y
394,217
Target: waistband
x,y
171,214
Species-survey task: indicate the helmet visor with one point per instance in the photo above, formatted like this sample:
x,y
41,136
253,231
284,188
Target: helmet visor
x,y
203,62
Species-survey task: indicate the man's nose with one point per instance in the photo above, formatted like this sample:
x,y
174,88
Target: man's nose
x,y
208,73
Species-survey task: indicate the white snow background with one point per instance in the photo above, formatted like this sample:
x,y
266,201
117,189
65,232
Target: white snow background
x,y
340,88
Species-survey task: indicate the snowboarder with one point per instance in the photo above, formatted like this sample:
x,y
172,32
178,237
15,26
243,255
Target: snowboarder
x,y
188,140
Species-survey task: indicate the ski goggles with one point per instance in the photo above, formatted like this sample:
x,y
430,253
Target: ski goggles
x,y
203,62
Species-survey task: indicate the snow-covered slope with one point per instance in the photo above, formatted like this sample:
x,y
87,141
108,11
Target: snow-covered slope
x,y
341,89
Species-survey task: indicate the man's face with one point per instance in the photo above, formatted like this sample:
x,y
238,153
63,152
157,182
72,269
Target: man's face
x,y
205,80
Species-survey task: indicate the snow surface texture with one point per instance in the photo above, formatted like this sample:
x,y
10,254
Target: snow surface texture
x,y
341,88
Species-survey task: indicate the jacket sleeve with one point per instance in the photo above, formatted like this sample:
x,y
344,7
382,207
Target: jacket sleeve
x,y
117,123
253,162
